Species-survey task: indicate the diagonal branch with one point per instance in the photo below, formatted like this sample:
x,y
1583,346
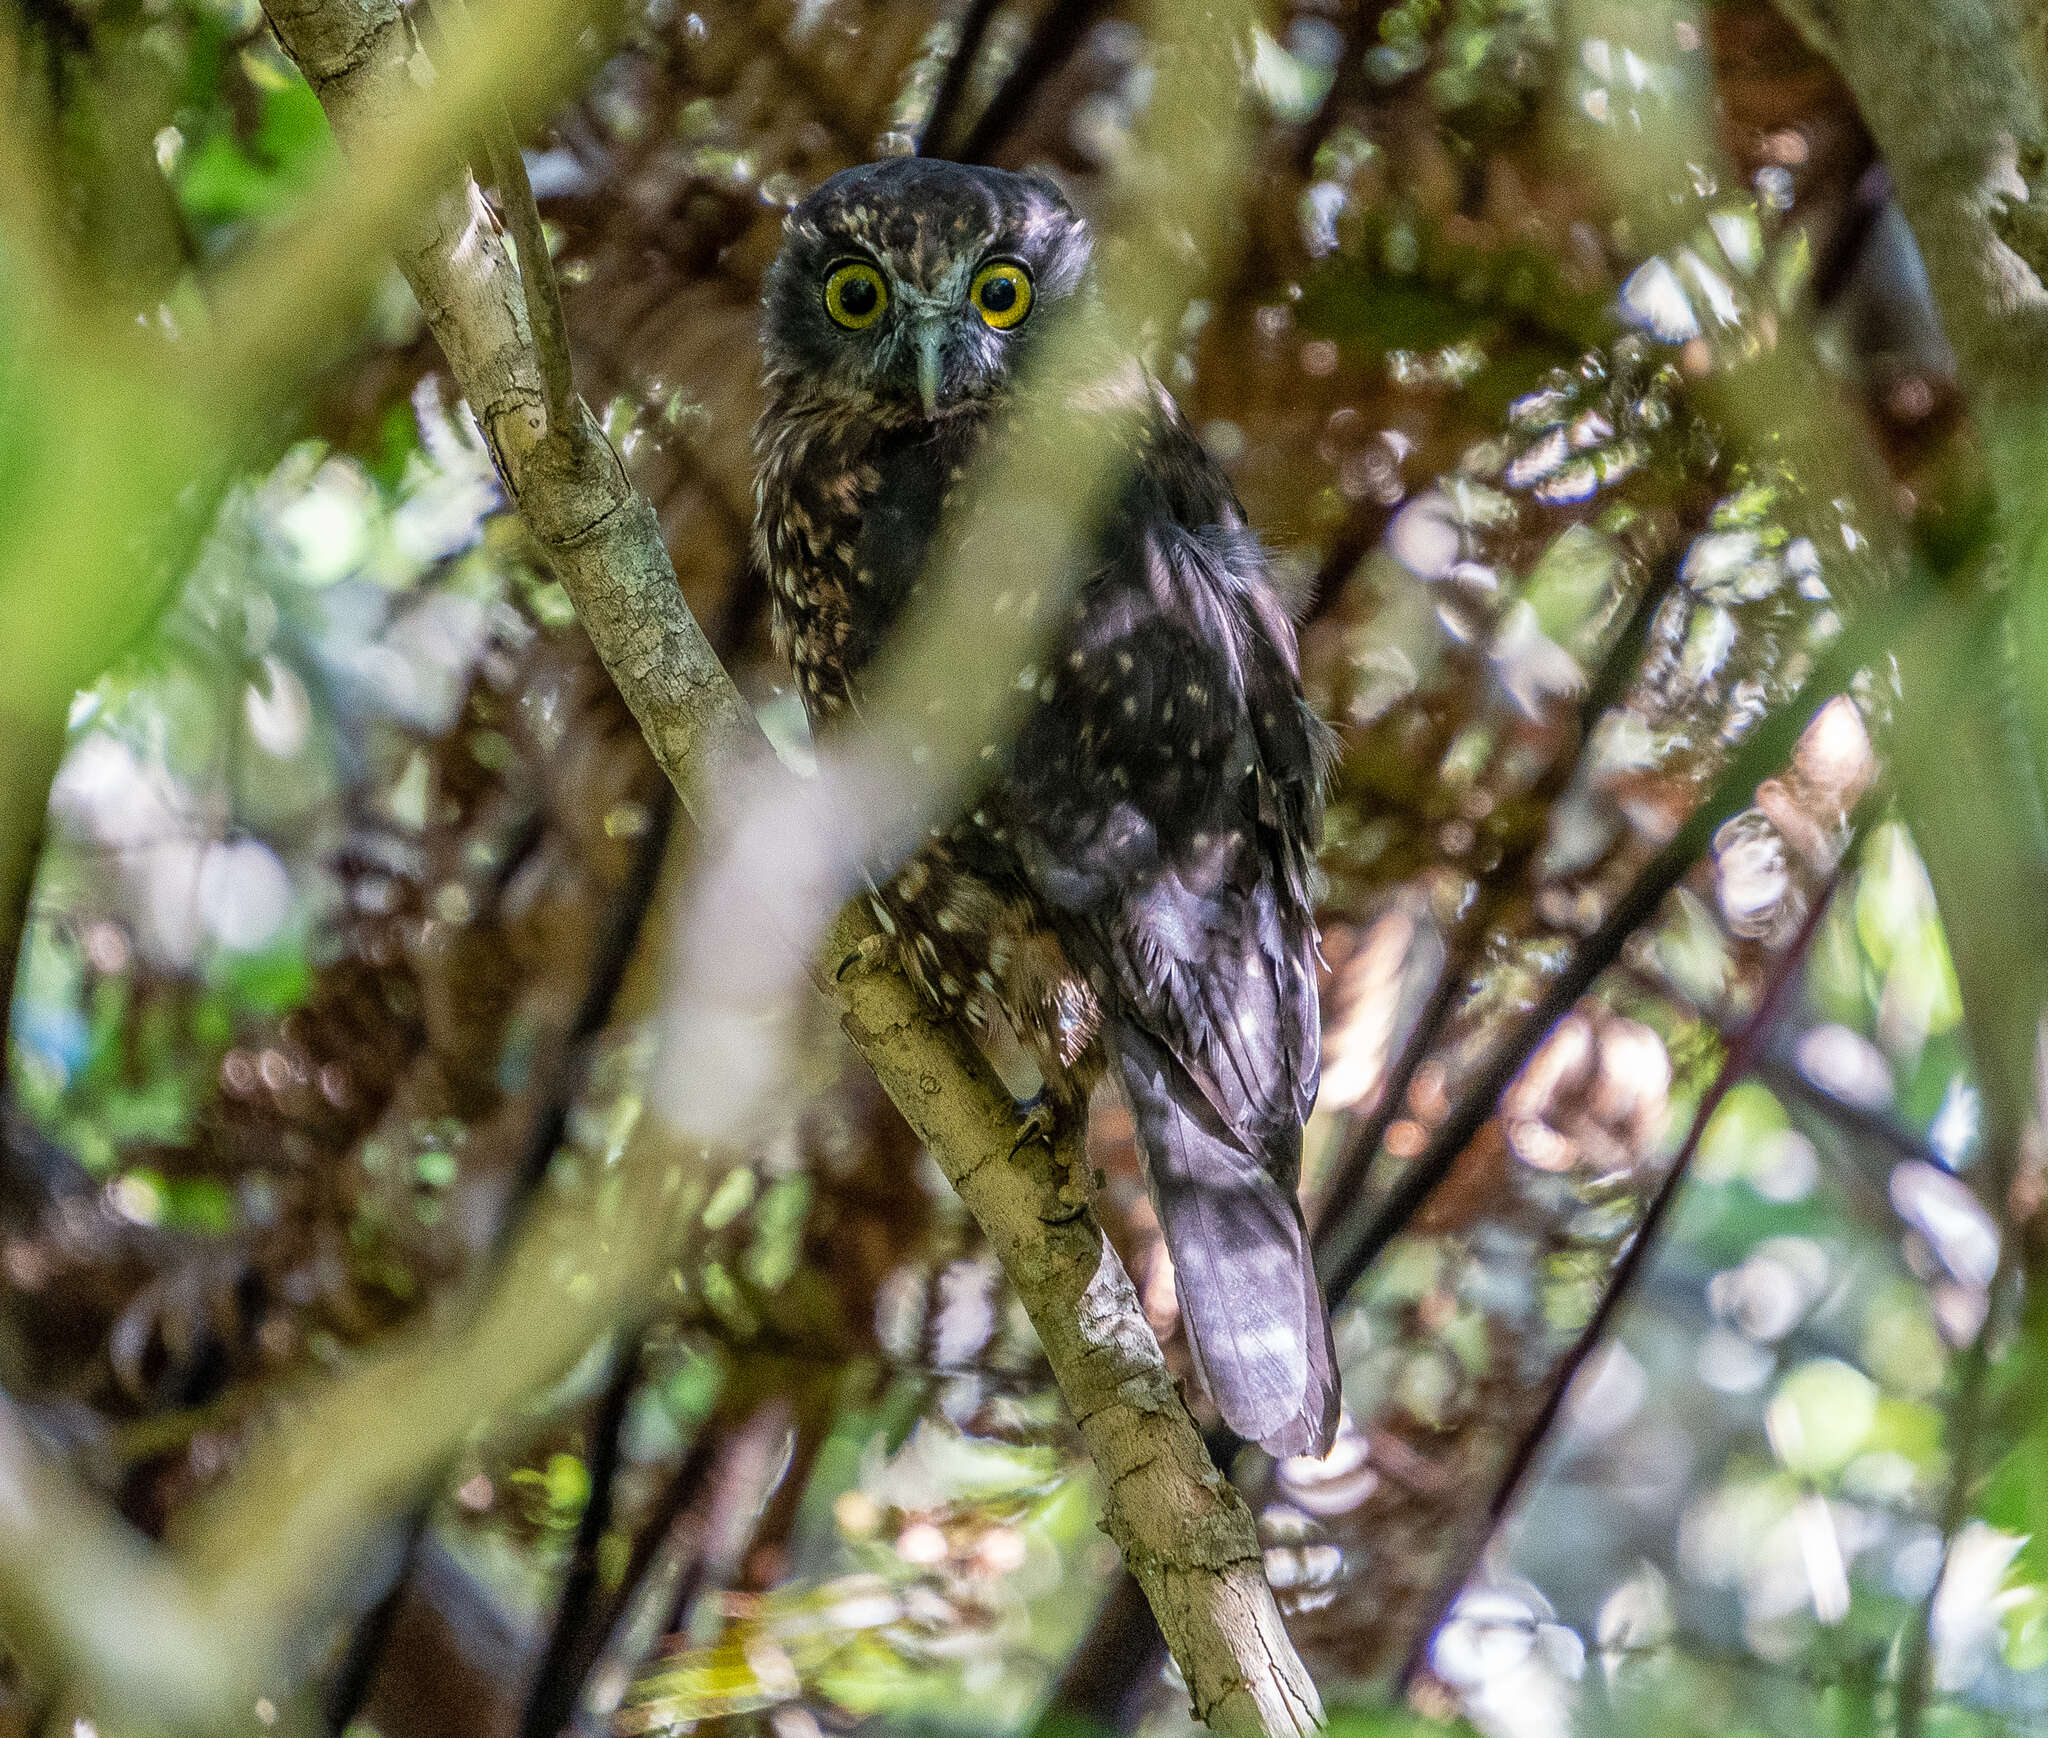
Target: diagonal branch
x,y
1054,39
943,120
1367,1131
1356,1237
1742,1054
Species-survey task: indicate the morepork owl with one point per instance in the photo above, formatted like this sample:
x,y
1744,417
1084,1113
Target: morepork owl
x,y
1130,886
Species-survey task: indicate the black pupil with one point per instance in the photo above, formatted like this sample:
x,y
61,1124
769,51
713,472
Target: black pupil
x,y
857,296
999,295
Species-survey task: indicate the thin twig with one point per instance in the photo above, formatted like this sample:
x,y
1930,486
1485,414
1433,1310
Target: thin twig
x,y
1741,1054
1058,34
561,1685
553,1697
1345,1191
536,270
1781,1072
1339,1225
1763,752
1966,1419
940,125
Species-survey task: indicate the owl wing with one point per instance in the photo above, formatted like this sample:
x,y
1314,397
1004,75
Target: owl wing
x,y
1166,804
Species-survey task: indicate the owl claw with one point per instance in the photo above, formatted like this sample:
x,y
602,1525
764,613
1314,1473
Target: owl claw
x,y
1040,1122
872,952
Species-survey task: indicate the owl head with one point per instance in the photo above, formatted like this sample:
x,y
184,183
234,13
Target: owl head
x,y
914,286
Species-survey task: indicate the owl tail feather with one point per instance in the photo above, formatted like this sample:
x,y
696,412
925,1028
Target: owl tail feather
x,y
1248,1296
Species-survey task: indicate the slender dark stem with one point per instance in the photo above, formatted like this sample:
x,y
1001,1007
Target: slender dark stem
x,y
1782,1074
941,123
552,1699
1349,1212
1916,1656
1627,653
1747,1046
349,1688
1353,540
1966,1421
562,1682
1340,1224
1058,34
601,989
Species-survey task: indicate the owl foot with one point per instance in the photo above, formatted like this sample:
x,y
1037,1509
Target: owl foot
x,y
1044,1117
1040,1122
872,952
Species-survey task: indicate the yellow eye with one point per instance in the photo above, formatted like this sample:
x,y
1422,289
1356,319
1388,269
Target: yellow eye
x,y
1001,294
855,294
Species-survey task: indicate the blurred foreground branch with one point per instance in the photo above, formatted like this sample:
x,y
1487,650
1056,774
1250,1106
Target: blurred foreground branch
x,y
1972,180
1183,1529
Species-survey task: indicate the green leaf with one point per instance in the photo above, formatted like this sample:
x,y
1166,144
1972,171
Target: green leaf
x,y
2015,1500
224,181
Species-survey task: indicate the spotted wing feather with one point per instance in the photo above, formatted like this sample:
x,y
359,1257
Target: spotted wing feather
x,y
1166,802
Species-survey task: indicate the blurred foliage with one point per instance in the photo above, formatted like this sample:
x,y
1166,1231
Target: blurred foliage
x,y
346,926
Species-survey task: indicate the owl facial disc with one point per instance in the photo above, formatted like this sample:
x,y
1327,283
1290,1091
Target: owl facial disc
x,y
906,289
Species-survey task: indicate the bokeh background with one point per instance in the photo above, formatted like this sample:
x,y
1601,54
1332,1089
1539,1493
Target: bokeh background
x,y
346,926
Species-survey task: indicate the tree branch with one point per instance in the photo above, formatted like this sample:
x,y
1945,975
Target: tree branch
x,y
551,1700
1056,37
943,120
1183,1529
1357,1236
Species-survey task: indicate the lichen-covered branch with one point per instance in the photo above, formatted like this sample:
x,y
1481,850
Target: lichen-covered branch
x,y
1184,1530
1971,174
1972,177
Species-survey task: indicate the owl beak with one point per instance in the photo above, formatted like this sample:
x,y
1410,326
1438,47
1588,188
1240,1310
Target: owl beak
x,y
930,368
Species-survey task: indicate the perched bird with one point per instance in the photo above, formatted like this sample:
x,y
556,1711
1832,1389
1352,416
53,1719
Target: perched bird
x,y
1130,886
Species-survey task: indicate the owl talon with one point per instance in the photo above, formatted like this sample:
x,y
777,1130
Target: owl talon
x,y
872,952
1040,1122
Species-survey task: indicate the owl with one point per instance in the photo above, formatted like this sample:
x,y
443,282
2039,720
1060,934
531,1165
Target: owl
x,y
1129,885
